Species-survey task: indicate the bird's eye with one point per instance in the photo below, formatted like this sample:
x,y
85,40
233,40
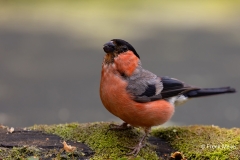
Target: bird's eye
x,y
124,48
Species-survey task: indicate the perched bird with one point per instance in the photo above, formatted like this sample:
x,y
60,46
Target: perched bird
x,y
139,97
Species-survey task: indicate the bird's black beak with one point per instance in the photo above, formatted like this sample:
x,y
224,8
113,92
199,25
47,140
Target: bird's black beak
x,y
109,47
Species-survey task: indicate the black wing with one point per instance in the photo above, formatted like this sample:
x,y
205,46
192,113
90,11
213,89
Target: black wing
x,y
170,87
173,87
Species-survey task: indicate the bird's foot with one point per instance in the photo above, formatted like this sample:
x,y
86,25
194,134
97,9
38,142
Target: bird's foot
x,y
135,149
140,145
123,126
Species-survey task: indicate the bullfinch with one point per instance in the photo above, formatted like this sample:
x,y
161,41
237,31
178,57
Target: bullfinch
x,y
139,97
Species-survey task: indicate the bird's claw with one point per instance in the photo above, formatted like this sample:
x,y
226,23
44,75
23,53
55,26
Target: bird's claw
x,y
135,149
123,126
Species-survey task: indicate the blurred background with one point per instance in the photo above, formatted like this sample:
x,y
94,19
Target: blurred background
x,y
51,55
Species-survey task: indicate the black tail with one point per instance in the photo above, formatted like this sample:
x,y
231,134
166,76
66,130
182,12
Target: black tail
x,y
208,91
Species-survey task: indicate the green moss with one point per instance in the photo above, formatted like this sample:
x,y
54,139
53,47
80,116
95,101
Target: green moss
x,y
203,142
33,153
19,153
106,144
195,142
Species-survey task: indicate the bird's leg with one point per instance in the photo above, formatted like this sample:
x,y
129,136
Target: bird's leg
x,y
123,126
141,144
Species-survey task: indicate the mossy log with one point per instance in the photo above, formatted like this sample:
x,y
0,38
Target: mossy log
x,y
96,141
